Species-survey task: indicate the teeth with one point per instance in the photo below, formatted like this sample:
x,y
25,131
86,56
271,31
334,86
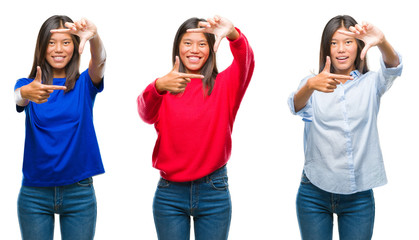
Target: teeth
x,y
194,59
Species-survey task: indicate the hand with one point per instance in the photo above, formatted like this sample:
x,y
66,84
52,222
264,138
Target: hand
x,y
219,26
38,92
175,81
368,33
84,28
326,81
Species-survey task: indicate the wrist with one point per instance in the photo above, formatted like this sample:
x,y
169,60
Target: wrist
x,y
158,86
233,34
20,101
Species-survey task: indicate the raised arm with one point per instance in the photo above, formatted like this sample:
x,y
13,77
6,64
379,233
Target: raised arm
x,y
87,31
220,27
372,36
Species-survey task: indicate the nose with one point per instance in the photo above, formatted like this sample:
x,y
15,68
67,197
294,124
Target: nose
x,y
195,48
341,47
58,47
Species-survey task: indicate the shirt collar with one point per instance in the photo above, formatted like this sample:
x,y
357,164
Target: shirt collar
x,y
355,74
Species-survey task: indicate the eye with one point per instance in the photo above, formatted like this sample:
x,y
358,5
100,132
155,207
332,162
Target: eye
x,y
51,43
203,44
67,42
349,42
333,43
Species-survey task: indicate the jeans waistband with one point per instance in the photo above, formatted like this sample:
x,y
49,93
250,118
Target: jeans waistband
x,y
222,171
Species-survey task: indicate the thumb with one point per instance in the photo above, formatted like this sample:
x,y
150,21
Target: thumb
x,y
177,64
81,45
38,76
217,43
327,65
364,51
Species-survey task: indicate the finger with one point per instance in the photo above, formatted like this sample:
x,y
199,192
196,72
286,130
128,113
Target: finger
x,y
70,26
217,43
204,24
364,51
38,76
327,65
354,30
176,65
359,28
79,26
81,45
83,23
196,30
212,21
347,33
54,87
60,30
340,77
39,101
188,75
332,86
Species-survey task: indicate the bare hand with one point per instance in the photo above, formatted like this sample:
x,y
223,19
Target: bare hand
x,y
175,81
325,81
84,28
219,26
368,33
38,92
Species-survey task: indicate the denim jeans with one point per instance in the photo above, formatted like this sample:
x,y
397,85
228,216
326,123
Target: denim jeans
x,y
315,209
75,203
207,200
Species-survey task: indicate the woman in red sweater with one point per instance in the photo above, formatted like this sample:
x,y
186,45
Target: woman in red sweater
x,y
193,109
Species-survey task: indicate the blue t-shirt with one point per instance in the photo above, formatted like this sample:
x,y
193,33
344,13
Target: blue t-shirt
x,y
60,145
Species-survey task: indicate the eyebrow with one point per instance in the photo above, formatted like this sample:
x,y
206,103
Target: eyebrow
x,y
189,39
348,38
65,39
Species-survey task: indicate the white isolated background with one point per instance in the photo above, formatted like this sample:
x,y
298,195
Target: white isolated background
x,y
267,156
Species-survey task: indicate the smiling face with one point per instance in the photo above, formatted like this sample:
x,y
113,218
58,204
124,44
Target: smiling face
x,y
343,52
193,51
59,53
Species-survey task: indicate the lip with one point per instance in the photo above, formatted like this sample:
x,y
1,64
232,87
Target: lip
x,y
58,58
194,59
342,59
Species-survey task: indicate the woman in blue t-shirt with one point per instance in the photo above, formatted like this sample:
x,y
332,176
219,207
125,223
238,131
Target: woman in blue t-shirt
x,y
61,150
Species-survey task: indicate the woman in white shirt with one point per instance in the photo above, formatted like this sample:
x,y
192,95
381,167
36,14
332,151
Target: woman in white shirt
x,y
339,106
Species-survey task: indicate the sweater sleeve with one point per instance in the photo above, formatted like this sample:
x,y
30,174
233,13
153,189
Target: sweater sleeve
x,y
239,73
148,104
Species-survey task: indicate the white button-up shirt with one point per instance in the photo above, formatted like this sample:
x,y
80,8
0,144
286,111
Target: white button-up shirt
x,y
341,144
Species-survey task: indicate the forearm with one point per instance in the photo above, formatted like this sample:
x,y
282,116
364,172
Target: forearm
x,y
148,104
301,97
98,59
390,57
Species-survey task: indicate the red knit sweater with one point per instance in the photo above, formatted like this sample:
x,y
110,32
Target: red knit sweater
x,y
194,130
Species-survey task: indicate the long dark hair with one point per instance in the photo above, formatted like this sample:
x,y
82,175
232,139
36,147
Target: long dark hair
x,y
331,27
209,70
44,35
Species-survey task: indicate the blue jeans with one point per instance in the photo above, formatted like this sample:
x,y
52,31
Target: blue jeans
x,y
207,200
75,203
315,209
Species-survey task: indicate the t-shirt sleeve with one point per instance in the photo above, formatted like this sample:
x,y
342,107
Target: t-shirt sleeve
x,y
20,83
